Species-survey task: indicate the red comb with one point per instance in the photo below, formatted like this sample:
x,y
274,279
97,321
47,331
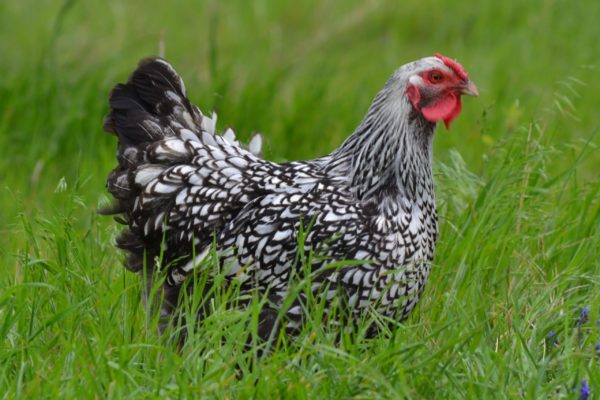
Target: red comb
x,y
455,66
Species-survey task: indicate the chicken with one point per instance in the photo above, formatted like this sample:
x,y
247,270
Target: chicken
x,y
182,190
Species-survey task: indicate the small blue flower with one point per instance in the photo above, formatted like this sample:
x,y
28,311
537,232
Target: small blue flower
x,y
552,338
585,390
585,312
584,316
597,347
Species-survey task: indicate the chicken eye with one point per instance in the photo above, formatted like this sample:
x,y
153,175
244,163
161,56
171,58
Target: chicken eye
x,y
435,77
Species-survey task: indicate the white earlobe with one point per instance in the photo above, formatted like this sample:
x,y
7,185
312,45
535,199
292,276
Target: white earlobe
x,y
416,80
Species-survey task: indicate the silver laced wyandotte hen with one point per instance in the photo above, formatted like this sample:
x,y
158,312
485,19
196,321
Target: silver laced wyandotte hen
x,y
184,190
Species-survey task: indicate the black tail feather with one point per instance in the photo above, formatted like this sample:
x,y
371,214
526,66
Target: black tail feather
x,y
144,110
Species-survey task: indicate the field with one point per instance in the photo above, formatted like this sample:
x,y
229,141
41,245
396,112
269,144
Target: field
x,y
517,185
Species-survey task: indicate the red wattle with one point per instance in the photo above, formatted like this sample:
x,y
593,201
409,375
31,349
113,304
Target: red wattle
x,y
445,110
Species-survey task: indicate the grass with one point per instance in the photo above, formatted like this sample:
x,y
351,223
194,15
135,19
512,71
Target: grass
x,y
516,180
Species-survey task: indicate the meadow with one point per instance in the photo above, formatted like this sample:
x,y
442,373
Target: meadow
x,y
513,299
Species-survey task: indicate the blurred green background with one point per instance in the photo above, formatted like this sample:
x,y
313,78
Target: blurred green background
x,y
303,73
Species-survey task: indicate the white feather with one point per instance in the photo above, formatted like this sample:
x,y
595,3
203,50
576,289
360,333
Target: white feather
x,y
209,124
255,145
186,134
147,173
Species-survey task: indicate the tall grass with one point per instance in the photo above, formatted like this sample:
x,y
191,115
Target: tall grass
x,y
516,184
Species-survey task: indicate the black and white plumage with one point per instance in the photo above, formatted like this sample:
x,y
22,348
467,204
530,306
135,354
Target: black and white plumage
x,y
181,188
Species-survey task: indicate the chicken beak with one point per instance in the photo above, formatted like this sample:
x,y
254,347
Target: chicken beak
x,y
469,89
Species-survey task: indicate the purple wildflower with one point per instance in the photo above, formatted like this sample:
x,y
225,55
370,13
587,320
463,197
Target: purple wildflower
x,y
585,390
552,338
597,347
585,312
584,316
